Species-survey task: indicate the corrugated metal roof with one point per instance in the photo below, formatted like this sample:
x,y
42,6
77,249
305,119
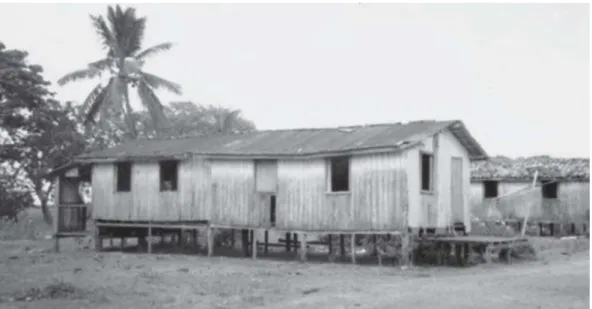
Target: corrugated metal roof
x,y
295,142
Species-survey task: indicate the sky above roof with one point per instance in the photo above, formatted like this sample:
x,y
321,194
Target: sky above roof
x,y
516,74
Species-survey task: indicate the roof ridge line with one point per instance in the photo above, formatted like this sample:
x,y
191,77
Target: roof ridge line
x,y
302,129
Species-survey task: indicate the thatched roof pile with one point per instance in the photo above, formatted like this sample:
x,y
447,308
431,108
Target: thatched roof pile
x,y
522,169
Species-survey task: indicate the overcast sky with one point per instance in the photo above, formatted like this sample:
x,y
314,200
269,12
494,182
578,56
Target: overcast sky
x,y
516,74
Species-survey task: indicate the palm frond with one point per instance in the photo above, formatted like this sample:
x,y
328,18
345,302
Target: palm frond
x,y
92,97
102,64
128,30
153,105
88,73
141,56
95,101
159,82
135,36
109,39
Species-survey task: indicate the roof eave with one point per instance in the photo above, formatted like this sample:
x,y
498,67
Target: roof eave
x,y
256,156
476,151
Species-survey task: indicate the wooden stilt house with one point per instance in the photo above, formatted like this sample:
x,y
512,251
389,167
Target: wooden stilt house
x,y
561,196
379,178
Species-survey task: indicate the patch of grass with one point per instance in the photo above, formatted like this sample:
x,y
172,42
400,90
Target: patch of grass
x,y
29,226
56,290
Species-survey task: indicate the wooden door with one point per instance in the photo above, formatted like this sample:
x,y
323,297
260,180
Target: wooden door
x,y
457,200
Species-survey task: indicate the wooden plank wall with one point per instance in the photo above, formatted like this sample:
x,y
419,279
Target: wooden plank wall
x,y
301,197
376,185
430,209
224,192
145,201
572,204
373,202
234,201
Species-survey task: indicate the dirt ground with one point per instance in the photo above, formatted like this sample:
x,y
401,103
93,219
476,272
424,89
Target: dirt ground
x,y
85,279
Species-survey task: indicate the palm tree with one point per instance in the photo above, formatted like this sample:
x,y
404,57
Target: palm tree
x,y
121,35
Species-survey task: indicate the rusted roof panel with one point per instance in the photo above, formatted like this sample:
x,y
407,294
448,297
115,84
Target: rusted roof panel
x,y
297,142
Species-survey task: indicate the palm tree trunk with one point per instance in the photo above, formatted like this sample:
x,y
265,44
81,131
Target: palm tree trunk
x,y
129,117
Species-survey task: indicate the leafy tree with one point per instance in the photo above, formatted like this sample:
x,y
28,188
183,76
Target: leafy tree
x,y
184,118
121,34
39,133
22,89
187,118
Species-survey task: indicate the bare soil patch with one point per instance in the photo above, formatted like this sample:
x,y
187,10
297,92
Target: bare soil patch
x,y
34,277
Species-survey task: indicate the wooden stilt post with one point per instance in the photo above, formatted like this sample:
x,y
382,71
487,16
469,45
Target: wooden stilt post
x,y
303,248
295,244
375,247
439,253
342,245
405,248
149,239
210,240
353,248
98,241
288,240
232,239
194,239
266,249
245,241
467,253
458,253
180,238
330,240
111,241
254,244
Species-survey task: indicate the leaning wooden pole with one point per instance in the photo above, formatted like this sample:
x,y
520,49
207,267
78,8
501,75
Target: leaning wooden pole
x,y
524,224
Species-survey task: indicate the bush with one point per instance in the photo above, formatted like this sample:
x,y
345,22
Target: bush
x,y
13,201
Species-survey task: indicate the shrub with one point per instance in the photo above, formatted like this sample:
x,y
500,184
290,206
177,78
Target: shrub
x,y
13,201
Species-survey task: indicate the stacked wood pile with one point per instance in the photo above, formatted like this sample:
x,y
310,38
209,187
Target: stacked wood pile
x,y
523,168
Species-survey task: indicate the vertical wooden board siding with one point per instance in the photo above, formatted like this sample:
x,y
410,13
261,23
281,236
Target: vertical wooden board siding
x,y
190,201
374,190
456,190
427,210
266,175
301,194
103,191
479,207
572,203
449,147
201,193
233,186
415,204
338,211
574,200
146,203
428,144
